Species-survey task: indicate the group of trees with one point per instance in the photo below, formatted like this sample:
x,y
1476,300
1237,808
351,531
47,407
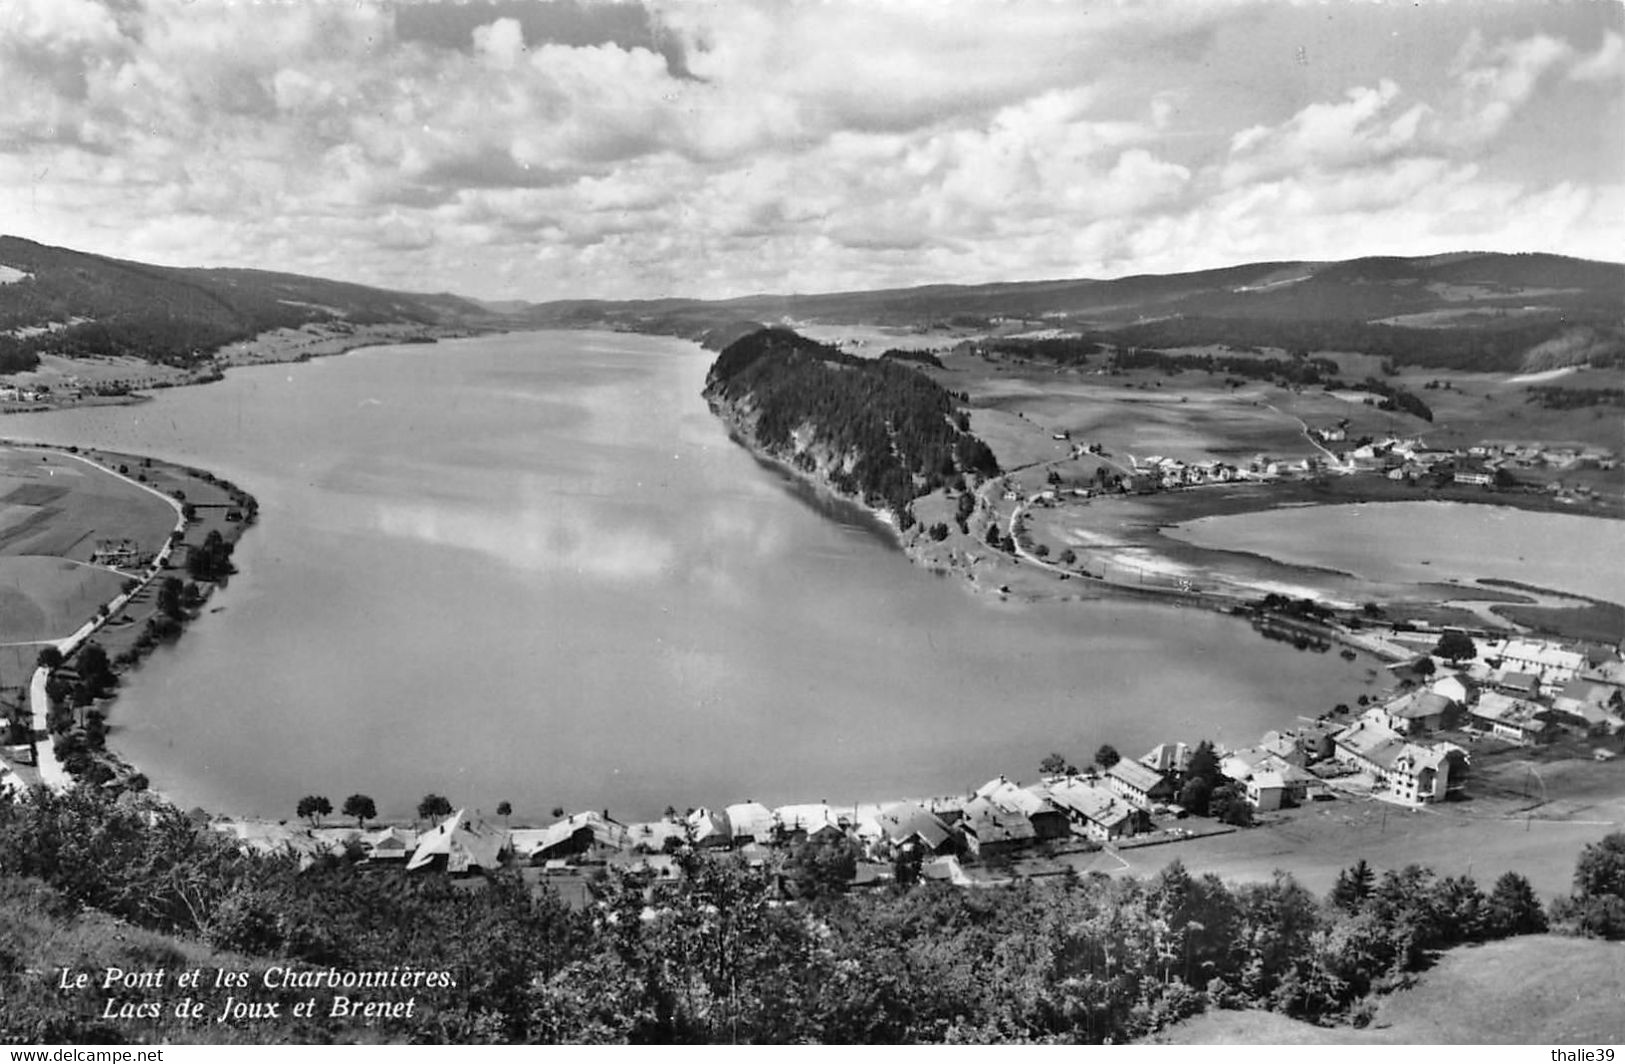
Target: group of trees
x,y
313,807
768,953
1298,369
892,432
1062,350
210,560
924,358
1597,905
1206,791
1557,397
1393,397
1057,764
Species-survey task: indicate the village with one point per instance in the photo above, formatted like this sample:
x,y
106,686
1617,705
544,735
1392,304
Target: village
x,y
1409,749
1501,464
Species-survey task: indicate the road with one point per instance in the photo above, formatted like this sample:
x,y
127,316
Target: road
x,y
52,773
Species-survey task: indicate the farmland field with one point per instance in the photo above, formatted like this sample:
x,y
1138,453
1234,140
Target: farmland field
x,y
49,598
53,504
53,509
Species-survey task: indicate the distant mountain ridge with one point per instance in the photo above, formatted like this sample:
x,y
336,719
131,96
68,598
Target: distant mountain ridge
x,y
74,303
1466,309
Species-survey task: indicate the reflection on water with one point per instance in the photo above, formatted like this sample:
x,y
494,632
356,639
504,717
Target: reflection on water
x,y
1423,542
534,568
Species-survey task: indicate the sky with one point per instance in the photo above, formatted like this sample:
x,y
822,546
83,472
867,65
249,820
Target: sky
x,y
528,149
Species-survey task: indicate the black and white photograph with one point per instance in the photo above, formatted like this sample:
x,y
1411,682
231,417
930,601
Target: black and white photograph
x,y
995,522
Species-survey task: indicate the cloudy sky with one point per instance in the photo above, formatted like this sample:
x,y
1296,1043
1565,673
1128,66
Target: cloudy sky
x,y
539,150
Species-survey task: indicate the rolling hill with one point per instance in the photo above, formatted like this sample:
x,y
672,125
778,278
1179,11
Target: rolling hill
x,y
72,303
1466,310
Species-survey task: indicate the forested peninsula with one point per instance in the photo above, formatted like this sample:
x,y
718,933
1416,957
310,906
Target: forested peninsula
x,y
875,430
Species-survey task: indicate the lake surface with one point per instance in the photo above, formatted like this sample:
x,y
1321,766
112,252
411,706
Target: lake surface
x,y
534,568
1421,542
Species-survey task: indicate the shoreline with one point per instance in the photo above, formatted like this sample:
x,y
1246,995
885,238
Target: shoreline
x,y
1027,577
274,347
205,505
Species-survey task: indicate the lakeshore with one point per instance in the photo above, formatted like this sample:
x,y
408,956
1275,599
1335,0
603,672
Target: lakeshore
x,y
66,710
532,527
1216,852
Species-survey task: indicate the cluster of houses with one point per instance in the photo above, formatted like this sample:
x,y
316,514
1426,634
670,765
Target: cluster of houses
x,y
1000,817
1401,458
1530,691
17,393
1158,471
1516,690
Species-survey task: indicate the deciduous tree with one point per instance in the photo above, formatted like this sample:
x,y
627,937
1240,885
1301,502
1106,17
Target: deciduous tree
x,y
313,807
1455,647
361,807
434,807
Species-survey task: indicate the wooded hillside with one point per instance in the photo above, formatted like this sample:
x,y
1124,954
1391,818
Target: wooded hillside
x,y
888,433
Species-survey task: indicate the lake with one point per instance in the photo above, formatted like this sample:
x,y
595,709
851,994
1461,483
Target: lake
x,y
1430,541
533,567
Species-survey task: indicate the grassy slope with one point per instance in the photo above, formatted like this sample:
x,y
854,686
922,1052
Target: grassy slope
x,y
1540,989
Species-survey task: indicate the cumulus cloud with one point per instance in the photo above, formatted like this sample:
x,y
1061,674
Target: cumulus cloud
x,y
1370,123
1495,80
752,145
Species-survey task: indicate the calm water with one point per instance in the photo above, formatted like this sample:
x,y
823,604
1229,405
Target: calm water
x,y
1432,541
533,567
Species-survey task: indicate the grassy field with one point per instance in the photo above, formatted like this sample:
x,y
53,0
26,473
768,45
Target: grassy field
x,y
1530,812
53,504
53,509
49,598
1536,989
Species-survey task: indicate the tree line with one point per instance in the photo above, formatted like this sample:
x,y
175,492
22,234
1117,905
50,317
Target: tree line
x,y
784,951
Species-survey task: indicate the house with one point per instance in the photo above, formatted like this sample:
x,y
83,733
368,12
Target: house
x,y
1553,664
1422,774
1452,687
945,869
907,824
1141,785
1269,779
1519,684
1096,812
588,835
1410,772
1595,706
990,828
1415,713
749,822
117,553
1169,759
1512,719
807,822
1283,745
1278,786
708,829
457,846
389,844
1047,821
655,836
1314,739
